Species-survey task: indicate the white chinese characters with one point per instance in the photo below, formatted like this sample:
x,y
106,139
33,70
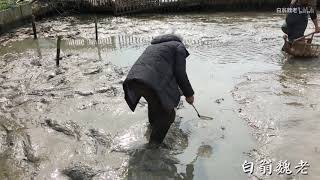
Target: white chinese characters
x,y
302,167
295,10
248,167
265,167
283,167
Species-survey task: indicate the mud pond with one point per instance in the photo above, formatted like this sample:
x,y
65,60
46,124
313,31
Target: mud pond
x,y
72,122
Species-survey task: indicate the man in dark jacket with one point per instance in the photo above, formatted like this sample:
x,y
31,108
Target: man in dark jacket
x,y
158,75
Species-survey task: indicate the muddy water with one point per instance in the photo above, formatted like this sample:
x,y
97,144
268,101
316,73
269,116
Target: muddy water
x,y
72,121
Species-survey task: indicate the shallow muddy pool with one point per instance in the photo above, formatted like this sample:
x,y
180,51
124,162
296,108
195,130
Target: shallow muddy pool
x,y
73,122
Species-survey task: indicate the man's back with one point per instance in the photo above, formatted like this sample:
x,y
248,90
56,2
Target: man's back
x,y
157,68
156,64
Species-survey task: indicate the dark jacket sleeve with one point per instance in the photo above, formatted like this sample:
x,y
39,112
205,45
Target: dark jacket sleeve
x,y
180,72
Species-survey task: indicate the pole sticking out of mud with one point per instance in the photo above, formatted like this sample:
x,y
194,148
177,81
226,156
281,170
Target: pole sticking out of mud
x,y
96,27
34,27
58,50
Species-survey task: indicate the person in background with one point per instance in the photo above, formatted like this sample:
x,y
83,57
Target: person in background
x,y
297,19
159,75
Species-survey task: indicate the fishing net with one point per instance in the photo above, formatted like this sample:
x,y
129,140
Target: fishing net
x,y
302,49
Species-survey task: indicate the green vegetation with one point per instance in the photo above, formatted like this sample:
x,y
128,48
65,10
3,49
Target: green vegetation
x,y
5,4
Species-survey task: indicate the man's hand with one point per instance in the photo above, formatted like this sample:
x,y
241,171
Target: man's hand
x,y
190,99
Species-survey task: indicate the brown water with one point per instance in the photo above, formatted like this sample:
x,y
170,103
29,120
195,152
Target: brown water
x,y
73,122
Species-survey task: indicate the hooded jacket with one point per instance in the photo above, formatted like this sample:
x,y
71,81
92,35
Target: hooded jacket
x,y
162,67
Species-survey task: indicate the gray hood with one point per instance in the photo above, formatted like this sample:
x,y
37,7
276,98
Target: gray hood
x,y
165,38
168,38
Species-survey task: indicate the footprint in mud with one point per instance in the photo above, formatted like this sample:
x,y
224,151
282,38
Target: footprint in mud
x,y
69,128
296,104
110,91
92,71
83,171
80,172
88,105
84,93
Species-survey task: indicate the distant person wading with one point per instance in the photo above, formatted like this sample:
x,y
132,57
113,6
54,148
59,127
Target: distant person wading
x,y
158,75
297,19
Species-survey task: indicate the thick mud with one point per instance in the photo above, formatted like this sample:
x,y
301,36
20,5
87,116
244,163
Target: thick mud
x,y
72,122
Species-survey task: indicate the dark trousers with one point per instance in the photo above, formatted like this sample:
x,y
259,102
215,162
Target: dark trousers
x,y
295,26
160,117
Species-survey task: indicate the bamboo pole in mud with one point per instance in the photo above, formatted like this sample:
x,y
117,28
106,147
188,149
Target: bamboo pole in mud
x,y
34,27
96,27
38,49
58,51
99,50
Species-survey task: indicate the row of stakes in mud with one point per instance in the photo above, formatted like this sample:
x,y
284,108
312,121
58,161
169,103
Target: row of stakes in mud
x,y
59,38
58,58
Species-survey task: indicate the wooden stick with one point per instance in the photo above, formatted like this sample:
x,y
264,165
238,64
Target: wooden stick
x,y
96,27
58,50
99,51
38,49
34,27
300,38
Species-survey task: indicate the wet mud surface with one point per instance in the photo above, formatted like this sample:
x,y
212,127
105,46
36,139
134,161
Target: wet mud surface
x,y
72,122
286,114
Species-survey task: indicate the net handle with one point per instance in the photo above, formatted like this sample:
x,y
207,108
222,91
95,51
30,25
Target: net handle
x,y
300,38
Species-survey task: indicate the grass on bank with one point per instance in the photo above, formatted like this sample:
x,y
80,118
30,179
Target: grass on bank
x,y
5,4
